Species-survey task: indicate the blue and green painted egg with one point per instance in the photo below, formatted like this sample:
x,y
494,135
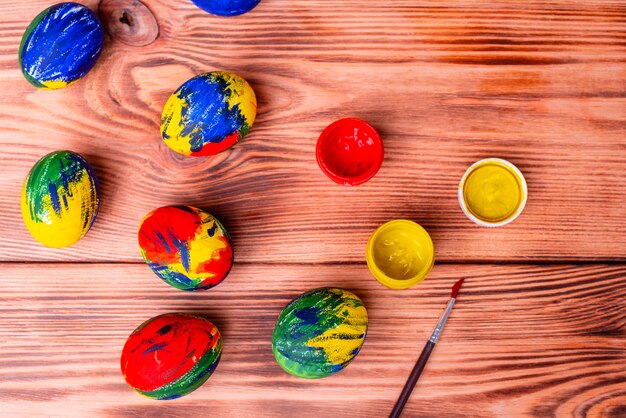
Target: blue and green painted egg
x,y
226,7
60,199
61,45
208,114
319,333
171,355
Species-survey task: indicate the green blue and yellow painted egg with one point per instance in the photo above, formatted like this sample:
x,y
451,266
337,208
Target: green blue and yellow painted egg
x,y
61,45
60,199
186,247
208,114
171,355
226,7
319,333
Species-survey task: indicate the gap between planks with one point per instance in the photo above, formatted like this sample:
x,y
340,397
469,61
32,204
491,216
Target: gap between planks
x,y
486,262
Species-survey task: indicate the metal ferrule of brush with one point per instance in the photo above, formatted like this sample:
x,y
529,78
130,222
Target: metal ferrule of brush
x,y
437,331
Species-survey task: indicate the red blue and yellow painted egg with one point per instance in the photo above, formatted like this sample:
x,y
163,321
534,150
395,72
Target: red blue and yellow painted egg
x,y
319,333
61,45
171,355
208,114
186,247
60,199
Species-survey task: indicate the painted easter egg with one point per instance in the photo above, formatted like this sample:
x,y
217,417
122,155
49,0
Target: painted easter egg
x,y
61,45
171,355
208,114
319,333
186,247
60,199
226,7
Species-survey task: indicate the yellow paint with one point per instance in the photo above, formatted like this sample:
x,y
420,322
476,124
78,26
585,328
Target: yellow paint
x,y
339,350
493,192
174,111
56,84
240,94
400,254
63,229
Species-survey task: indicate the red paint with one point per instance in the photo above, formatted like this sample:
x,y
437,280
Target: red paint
x,y
161,227
158,352
213,148
349,151
456,288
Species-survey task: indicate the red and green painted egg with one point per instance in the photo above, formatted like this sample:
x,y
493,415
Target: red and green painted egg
x,y
171,355
186,247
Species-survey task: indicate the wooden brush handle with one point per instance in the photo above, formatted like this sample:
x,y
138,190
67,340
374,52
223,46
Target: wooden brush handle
x,y
412,380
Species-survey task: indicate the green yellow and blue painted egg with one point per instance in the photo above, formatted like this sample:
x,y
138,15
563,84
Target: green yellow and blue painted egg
x,y
226,7
61,45
319,333
208,114
171,355
186,247
60,199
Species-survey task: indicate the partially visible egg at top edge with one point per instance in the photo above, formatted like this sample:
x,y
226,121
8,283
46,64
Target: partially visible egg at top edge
x,y
186,247
226,8
60,199
60,46
208,114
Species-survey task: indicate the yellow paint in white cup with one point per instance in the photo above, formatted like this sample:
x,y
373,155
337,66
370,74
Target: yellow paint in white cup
x,y
493,192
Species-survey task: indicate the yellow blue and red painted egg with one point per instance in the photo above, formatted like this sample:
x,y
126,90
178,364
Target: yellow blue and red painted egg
x,y
226,7
208,114
61,45
186,247
319,333
171,355
60,199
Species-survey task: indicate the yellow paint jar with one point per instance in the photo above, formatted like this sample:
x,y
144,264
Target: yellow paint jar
x,y
492,192
400,254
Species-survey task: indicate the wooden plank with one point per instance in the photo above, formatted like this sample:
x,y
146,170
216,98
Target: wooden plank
x,y
522,341
539,83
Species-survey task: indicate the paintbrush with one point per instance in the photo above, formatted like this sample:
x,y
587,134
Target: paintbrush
x,y
428,348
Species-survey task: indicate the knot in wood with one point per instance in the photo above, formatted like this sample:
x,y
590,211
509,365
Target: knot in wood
x,y
129,21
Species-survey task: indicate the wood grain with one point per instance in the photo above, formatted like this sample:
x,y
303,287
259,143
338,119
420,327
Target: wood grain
x,y
540,324
541,83
522,341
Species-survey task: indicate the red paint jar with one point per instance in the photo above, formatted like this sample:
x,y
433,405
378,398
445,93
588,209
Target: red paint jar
x,y
350,151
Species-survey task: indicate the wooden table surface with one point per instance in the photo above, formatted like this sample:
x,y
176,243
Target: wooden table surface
x,y
540,326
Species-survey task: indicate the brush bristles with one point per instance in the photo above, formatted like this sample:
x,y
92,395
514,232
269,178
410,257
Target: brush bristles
x,y
456,288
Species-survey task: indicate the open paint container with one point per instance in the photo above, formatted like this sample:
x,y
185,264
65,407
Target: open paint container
x,y
492,192
349,151
400,254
